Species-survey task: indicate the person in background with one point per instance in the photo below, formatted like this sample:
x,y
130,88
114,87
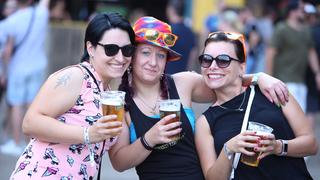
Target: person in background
x,y
145,139
10,6
186,44
218,135
291,50
313,96
25,55
58,11
256,48
69,133
2,65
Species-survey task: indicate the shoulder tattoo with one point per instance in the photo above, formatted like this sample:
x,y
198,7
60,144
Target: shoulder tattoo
x,y
63,80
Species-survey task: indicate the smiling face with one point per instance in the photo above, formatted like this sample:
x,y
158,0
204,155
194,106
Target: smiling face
x,y
149,63
109,67
220,78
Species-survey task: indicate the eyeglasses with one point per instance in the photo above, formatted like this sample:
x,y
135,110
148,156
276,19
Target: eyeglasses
x,y
113,49
222,60
153,35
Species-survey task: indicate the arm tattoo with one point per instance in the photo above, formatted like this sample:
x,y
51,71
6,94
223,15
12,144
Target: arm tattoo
x,y
62,81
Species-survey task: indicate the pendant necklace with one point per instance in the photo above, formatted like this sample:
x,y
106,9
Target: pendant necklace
x,y
239,109
152,108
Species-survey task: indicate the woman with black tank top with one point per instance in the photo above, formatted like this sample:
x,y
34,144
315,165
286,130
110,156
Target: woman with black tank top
x,y
144,142
218,135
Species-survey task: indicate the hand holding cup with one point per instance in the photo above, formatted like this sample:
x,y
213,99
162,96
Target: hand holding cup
x,y
167,107
262,131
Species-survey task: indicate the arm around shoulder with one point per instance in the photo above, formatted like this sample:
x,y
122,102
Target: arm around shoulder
x,y
193,85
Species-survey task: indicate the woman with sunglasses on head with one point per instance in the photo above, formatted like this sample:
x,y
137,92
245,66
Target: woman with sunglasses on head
x,y
145,139
218,136
65,119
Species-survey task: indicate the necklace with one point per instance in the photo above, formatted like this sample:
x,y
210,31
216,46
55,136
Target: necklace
x,y
239,109
152,108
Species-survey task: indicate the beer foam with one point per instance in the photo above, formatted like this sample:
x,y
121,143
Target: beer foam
x,y
261,133
169,108
112,102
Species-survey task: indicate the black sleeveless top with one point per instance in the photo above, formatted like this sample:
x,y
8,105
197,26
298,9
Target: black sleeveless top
x,y
226,123
178,162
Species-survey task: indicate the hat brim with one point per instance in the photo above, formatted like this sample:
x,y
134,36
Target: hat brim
x,y
172,55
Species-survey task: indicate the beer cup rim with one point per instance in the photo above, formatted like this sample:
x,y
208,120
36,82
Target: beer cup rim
x,y
266,128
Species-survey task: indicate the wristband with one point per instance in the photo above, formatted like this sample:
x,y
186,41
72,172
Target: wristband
x,y
255,78
145,143
86,138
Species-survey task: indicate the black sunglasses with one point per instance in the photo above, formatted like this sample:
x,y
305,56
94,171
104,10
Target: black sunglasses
x,y
113,49
222,60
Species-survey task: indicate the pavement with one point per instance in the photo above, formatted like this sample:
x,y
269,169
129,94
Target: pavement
x,y
8,162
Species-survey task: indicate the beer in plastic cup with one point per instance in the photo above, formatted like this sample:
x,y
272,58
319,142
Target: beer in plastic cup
x,y
113,103
170,106
261,130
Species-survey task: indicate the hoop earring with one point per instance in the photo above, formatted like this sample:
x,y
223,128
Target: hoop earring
x,y
162,76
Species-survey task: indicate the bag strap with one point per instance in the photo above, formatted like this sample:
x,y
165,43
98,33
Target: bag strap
x,y
104,142
28,30
243,128
92,76
99,173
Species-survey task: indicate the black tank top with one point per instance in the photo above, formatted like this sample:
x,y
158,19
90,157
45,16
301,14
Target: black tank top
x,y
178,162
226,123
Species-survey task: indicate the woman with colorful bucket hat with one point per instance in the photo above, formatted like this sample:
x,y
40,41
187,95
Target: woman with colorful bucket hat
x,y
145,139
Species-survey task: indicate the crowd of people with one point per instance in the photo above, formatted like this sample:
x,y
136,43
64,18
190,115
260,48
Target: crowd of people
x,y
67,135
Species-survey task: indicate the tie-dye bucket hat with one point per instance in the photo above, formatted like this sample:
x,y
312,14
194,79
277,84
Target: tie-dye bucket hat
x,y
150,30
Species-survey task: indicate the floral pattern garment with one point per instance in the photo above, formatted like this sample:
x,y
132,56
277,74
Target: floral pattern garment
x,y
67,161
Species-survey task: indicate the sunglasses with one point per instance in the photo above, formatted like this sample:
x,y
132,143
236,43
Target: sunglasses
x,y
153,35
229,35
113,49
222,60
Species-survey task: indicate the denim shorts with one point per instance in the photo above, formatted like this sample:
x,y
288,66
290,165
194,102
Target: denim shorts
x,y
22,89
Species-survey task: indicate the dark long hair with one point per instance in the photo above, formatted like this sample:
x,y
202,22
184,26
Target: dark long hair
x,y
100,24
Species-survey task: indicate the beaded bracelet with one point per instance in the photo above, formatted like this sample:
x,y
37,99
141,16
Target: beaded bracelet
x,y
145,143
